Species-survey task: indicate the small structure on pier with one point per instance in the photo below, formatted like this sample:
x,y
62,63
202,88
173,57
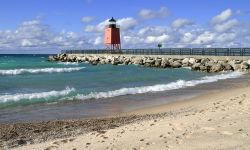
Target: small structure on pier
x,y
112,36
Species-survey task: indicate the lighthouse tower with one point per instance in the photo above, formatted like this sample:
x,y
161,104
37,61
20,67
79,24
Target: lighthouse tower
x,y
112,36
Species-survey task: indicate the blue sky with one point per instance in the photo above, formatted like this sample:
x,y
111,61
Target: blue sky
x,y
62,24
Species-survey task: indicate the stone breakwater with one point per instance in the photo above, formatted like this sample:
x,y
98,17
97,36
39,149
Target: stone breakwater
x,y
198,63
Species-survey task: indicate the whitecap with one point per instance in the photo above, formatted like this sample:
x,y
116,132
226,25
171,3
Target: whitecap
x,y
42,70
32,96
67,94
159,87
68,63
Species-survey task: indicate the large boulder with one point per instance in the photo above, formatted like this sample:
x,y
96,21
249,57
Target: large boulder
x,y
248,61
191,61
62,56
64,59
237,67
204,61
227,67
185,65
216,68
71,58
196,66
102,61
93,62
52,58
149,61
165,63
157,62
126,62
115,61
245,66
170,60
176,64
137,61
185,61
107,61
120,61
198,60
235,63
209,63
204,68
79,59
232,63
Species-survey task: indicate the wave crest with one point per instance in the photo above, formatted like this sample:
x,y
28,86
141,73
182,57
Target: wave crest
x,y
43,70
31,96
68,63
159,87
70,93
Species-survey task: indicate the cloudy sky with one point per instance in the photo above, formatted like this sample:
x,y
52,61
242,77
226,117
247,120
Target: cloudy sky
x,y
47,26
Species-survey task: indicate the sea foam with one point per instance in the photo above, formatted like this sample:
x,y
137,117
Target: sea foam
x,y
32,96
159,87
42,70
68,63
70,93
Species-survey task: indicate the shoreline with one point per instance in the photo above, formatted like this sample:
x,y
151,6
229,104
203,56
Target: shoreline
x,y
123,104
47,132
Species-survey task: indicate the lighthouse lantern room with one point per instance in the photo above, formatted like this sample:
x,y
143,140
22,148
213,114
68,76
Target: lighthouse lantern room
x,y
112,36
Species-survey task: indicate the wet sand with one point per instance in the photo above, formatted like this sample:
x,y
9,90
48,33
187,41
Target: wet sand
x,y
216,120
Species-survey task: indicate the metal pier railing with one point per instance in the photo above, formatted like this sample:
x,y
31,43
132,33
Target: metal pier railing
x,y
168,51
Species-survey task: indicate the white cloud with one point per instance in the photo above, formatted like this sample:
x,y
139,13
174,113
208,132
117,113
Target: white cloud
x,y
223,22
205,38
125,23
226,37
151,14
187,37
155,30
158,39
26,43
36,35
98,40
96,28
226,25
90,28
132,40
87,19
178,23
223,16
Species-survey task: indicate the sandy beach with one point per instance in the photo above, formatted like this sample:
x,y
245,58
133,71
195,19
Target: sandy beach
x,y
217,120
124,75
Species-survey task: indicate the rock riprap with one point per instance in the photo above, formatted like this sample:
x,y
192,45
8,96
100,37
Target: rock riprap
x,y
199,64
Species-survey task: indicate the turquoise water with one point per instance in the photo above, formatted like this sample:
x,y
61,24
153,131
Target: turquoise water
x,y
31,79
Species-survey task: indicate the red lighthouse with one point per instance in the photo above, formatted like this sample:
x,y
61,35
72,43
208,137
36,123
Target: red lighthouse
x,y
112,36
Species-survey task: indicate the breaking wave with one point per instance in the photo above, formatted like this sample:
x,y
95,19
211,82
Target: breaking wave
x,y
43,70
32,96
159,87
71,93
68,63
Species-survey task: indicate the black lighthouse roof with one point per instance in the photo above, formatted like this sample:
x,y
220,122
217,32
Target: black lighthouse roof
x,y
112,20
